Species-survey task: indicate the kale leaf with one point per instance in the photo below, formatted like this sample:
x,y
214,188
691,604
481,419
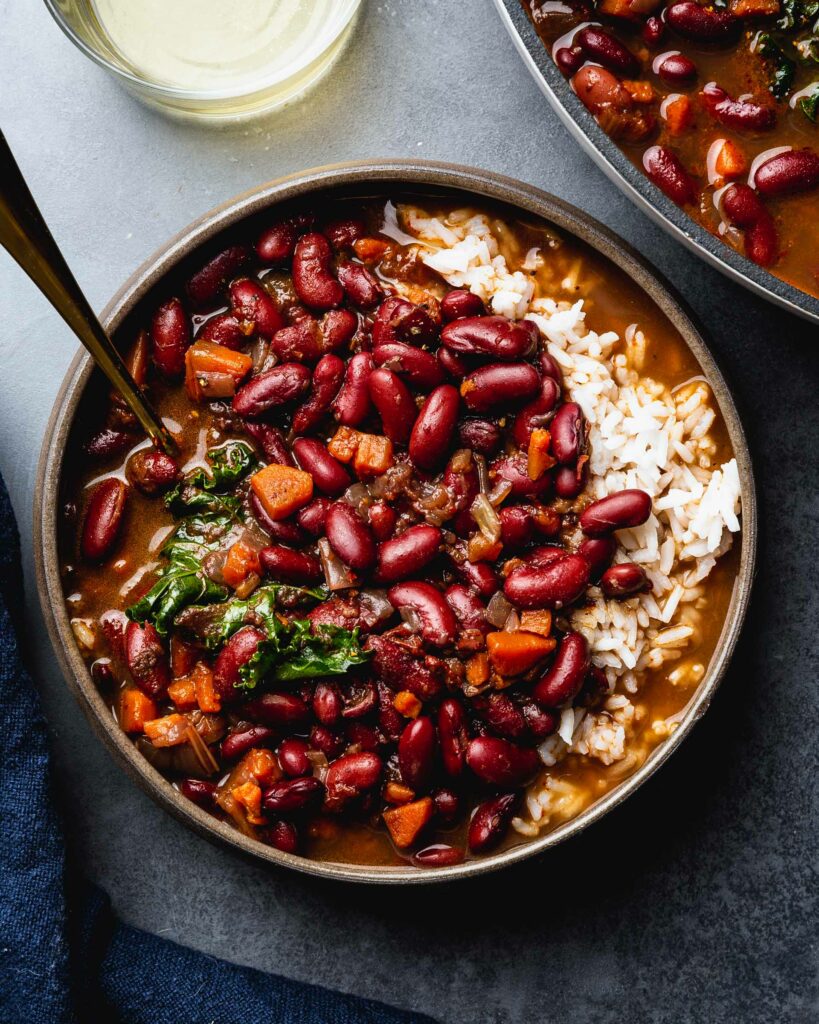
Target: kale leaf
x,y
809,105
205,491
260,609
294,652
784,68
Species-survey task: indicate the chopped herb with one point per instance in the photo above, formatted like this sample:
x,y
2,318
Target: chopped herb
x,y
260,609
784,68
809,105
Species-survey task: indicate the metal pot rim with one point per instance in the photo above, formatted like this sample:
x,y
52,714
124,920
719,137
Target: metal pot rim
x,y
377,177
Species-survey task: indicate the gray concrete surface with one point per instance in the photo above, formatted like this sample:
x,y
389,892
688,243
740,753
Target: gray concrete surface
x,y
695,902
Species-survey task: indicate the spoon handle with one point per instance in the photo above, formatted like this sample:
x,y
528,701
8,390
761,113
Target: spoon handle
x,y
24,233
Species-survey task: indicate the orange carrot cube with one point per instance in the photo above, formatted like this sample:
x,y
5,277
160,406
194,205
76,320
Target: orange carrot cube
x,y
373,455
282,490
135,709
514,653
405,822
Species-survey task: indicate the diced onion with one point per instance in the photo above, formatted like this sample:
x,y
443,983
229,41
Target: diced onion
x,y
498,609
487,518
412,619
512,624
483,474
500,492
259,352
216,385
356,495
375,601
336,574
461,461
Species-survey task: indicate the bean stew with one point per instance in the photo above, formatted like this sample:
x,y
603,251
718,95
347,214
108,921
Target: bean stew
x,y
339,619
717,103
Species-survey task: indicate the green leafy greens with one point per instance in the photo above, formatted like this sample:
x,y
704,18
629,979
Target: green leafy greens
x,y
784,68
809,105
205,492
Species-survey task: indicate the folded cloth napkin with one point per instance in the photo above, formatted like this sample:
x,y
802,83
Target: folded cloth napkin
x,y
64,958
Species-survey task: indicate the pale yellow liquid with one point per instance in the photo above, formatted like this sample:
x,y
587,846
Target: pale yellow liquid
x,y
220,45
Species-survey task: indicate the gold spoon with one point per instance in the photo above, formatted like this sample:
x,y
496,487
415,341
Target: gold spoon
x,y
24,233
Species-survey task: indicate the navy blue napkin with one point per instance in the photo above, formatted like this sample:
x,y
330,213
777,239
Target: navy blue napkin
x,y
64,958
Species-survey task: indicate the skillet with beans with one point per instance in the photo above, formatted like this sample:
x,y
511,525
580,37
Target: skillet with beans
x,y
337,619
717,103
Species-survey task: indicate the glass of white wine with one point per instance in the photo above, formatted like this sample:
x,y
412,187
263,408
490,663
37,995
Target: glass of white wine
x,y
218,60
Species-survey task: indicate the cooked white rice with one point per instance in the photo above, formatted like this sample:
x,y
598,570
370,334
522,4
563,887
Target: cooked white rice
x,y
642,435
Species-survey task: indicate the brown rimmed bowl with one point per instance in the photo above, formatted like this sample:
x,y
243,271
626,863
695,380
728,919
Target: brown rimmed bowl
x,y
360,180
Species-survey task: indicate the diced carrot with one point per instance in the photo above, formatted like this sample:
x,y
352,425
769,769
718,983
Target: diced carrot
x,y
261,765
513,653
477,669
730,162
135,709
753,8
407,704
370,250
344,444
398,793
206,696
539,457
242,560
479,549
249,796
618,8
169,731
184,656
373,456
405,822
640,91
208,357
183,693
281,489
539,621
678,114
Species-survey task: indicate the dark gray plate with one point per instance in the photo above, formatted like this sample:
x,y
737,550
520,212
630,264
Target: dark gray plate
x,y
636,186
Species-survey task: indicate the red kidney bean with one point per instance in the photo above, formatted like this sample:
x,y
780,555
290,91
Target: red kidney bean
x,y
434,427
598,88
499,385
439,855
482,436
328,473
382,520
456,366
401,320
653,30
282,835
352,403
284,710
598,552
514,470
243,738
350,537
420,368
337,329
394,404
152,471
562,680
469,610
544,555
103,519
743,207
299,342
408,553
361,736
490,822
606,50
327,703
207,284
481,576
254,309
461,303
170,338
502,715
313,517
549,367
401,670
797,170
501,763
438,624
552,586
313,278
342,233
239,649
571,480
271,441
329,741
361,699
517,526
453,736
107,443
696,22
351,776
360,284
390,722
292,795
284,531
665,169
676,68
447,805
540,723
278,242
761,241
274,387
199,792
569,59
739,114
624,580
537,413
290,566
223,329
617,511
495,336
416,753
147,659
569,434
327,378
